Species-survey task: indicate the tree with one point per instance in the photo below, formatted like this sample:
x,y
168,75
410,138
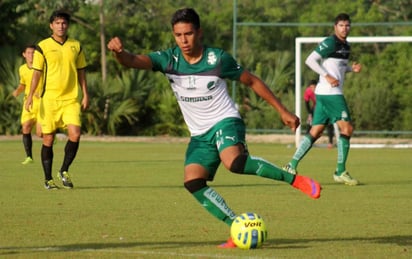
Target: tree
x,y
139,102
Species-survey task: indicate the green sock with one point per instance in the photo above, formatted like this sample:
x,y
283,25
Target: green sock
x,y
215,204
343,146
261,167
304,147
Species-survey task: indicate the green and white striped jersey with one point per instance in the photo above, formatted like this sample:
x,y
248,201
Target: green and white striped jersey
x,y
200,88
335,57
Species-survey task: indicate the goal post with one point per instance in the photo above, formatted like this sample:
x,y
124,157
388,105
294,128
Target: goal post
x,y
298,64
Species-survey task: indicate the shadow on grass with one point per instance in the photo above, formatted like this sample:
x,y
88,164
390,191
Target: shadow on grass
x,y
131,161
239,185
368,183
399,240
393,240
161,186
107,247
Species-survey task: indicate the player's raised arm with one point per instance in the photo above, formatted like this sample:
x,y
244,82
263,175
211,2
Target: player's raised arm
x,y
126,58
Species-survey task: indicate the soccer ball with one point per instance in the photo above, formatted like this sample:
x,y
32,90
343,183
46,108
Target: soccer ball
x,y
248,231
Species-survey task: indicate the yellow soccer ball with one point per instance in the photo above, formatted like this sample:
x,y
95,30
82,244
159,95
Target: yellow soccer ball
x,y
248,231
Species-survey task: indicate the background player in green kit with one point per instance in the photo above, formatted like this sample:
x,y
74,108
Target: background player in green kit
x,y
197,76
28,118
63,63
330,60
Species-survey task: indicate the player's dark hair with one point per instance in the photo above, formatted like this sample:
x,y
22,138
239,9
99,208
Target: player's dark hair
x,y
59,14
313,82
342,17
186,15
29,46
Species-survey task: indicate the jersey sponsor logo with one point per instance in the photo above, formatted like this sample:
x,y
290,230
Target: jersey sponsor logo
x,y
343,52
195,99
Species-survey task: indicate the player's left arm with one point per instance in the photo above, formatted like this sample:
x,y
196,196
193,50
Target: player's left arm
x,y
81,75
261,89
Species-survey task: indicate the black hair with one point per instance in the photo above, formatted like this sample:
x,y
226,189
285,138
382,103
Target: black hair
x,y
313,82
186,15
342,17
60,14
29,46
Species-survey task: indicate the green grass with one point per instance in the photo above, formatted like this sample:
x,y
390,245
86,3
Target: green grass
x,y
129,202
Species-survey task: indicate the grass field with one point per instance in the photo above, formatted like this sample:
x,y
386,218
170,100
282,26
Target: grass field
x,y
129,202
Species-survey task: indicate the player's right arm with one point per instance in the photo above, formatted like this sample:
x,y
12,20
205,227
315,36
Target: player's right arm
x,y
34,82
126,58
22,82
313,62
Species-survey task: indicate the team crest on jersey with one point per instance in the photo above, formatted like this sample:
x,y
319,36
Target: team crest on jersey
x,y
211,58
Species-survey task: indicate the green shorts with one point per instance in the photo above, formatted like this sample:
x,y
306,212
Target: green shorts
x,y
329,109
204,149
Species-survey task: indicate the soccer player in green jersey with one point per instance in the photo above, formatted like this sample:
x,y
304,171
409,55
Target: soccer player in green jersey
x,y
330,60
197,74
28,119
61,62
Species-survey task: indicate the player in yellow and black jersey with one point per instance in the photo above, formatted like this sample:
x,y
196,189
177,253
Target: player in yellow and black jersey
x,y
28,119
61,61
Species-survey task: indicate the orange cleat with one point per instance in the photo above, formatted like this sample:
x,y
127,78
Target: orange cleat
x,y
307,186
228,244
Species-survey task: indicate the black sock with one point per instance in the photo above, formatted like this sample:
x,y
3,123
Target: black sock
x,y
70,152
28,143
47,161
